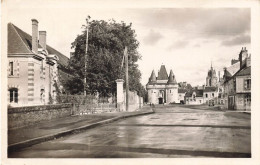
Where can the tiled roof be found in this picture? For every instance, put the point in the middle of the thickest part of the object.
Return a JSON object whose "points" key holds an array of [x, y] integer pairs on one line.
{"points": [[162, 74], [233, 69], [152, 77], [199, 93], [16, 43], [210, 89], [244, 72], [181, 90], [21, 42]]}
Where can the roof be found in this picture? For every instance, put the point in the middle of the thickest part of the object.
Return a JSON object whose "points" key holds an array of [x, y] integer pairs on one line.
{"points": [[210, 89], [162, 74], [152, 77], [171, 79], [233, 69], [244, 72], [199, 93], [181, 90], [21, 42]]}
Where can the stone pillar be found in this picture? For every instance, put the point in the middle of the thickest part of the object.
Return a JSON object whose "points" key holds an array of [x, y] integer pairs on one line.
{"points": [[120, 94]]}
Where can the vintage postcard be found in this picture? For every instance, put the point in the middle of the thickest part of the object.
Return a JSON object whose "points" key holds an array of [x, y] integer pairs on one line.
{"points": [[175, 82]]}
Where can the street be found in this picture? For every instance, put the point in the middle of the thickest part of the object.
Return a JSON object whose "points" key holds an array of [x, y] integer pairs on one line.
{"points": [[172, 131]]}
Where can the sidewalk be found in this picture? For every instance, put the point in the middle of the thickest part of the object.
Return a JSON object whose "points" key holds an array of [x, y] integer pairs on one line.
{"points": [[52, 129]]}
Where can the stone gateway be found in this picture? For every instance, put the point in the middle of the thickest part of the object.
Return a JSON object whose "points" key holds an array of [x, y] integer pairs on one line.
{"points": [[162, 89]]}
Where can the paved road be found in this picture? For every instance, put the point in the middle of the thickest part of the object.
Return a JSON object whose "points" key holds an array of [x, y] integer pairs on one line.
{"points": [[170, 132]]}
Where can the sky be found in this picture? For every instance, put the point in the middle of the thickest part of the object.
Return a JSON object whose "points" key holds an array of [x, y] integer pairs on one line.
{"points": [[186, 40]]}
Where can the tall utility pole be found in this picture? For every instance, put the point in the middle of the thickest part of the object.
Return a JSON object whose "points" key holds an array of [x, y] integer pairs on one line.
{"points": [[126, 77], [86, 60]]}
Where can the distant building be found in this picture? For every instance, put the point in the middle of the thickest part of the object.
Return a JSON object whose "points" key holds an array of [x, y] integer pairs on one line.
{"points": [[162, 89], [209, 94], [35, 69], [194, 97], [211, 80], [237, 83]]}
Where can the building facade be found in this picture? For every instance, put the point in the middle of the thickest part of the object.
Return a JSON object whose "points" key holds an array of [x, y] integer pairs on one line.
{"points": [[162, 89], [237, 83], [33, 74]]}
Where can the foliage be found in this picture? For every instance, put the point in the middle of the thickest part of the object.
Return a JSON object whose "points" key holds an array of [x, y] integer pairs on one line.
{"points": [[106, 44]]}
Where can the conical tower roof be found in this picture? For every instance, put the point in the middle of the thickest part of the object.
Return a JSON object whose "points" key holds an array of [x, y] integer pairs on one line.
{"points": [[162, 74], [152, 77], [171, 78]]}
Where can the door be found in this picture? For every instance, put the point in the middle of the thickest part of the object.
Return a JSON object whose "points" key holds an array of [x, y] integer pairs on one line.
{"points": [[160, 100], [231, 102]]}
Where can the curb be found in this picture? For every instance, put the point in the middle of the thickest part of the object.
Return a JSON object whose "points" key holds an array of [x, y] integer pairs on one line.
{"points": [[30, 142]]}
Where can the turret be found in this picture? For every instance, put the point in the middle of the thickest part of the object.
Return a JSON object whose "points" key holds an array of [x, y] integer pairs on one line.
{"points": [[171, 78], [152, 77]]}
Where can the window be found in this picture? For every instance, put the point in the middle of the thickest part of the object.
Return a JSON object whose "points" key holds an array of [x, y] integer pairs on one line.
{"points": [[42, 96], [248, 84], [11, 65], [248, 99], [170, 91], [206, 95], [200, 101], [13, 95], [190, 99], [41, 66], [212, 94]]}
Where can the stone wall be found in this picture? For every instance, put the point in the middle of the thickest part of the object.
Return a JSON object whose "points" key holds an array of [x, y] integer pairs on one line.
{"points": [[24, 116], [135, 102]]}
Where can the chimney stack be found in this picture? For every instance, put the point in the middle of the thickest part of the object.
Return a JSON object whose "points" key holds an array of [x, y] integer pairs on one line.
{"points": [[42, 39], [34, 35]]}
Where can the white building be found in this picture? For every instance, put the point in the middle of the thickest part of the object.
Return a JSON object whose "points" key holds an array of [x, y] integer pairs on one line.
{"points": [[162, 89]]}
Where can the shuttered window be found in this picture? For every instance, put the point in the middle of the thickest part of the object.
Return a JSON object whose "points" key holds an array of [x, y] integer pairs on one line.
{"points": [[247, 83]]}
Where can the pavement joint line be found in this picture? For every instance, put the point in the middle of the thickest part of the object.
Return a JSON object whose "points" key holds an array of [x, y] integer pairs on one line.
{"points": [[33, 141], [184, 125]]}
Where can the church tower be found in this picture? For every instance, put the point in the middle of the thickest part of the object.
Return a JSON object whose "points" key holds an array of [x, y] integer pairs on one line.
{"points": [[211, 80]]}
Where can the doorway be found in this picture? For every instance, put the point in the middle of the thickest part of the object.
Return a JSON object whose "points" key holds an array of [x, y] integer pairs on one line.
{"points": [[160, 100]]}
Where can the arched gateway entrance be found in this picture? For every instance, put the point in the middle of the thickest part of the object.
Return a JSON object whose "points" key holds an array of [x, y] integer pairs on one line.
{"points": [[162, 97]]}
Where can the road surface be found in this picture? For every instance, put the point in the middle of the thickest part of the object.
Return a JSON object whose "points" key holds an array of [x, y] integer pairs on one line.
{"points": [[172, 131]]}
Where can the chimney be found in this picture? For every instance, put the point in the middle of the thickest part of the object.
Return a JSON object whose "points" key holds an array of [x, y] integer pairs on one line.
{"points": [[34, 35], [42, 39]]}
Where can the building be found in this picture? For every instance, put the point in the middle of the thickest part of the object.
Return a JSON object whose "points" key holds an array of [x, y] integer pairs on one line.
{"points": [[194, 97], [34, 69], [211, 79], [210, 94], [237, 83], [162, 89], [181, 95]]}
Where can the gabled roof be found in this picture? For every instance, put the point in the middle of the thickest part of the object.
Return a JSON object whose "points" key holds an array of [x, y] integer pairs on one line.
{"points": [[181, 90], [199, 93], [210, 89], [20, 42], [244, 72], [162, 74], [233, 69]]}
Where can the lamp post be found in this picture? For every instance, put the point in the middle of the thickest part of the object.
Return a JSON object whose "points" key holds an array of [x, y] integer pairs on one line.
{"points": [[86, 60]]}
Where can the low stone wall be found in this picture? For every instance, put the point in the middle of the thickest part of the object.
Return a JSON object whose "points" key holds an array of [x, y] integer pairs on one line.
{"points": [[24, 116], [83, 109]]}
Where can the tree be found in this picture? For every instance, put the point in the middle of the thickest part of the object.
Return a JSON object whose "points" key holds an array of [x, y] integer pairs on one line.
{"points": [[106, 44]]}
